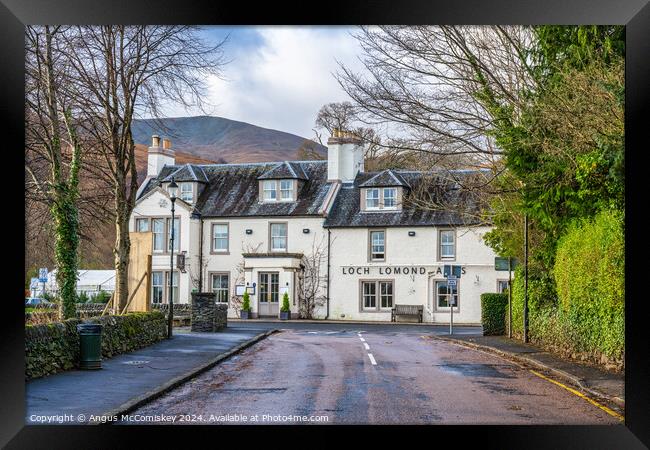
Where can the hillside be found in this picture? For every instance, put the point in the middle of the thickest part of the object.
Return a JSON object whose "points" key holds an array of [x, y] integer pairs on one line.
{"points": [[224, 140]]}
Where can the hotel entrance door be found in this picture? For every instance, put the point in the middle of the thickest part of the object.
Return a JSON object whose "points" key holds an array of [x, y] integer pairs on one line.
{"points": [[268, 303]]}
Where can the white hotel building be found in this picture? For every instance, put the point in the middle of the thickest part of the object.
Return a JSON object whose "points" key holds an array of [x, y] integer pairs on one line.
{"points": [[264, 226]]}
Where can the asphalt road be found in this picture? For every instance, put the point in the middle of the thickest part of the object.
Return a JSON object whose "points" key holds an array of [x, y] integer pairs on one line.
{"points": [[369, 377]]}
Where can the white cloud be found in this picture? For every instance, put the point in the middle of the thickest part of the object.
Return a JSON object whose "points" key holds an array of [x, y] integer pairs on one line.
{"points": [[283, 82]]}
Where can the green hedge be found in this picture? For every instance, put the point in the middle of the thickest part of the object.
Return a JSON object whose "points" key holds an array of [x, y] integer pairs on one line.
{"points": [[54, 347], [493, 310], [579, 311]]}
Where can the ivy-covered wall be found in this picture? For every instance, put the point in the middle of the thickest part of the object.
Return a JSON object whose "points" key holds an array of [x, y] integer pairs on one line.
{"points": [[54, 347]]}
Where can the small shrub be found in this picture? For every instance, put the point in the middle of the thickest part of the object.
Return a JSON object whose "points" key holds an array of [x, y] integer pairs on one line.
{"points": [[285, 303], [101, 297], [246, 304], [493, 313], [83, 297]]}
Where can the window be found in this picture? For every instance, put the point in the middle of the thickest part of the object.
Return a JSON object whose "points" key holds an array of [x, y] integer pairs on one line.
{"points": [[141, 225], [270, 191], [157, 287], [447, 244], [443, 296], [372, 198], [390, 198], [377, 245], [177, 234], [502, 286], [376, 295], [220, 237], [174, 286], [278, 237], [220, 286], [386, 294], [369, 294], [158, 226], [286, 190], [186, 192]]}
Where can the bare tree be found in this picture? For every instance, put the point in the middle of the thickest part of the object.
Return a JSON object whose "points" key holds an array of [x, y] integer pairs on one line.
{"points": [[123, 72], [312, 280], [430, 87]]}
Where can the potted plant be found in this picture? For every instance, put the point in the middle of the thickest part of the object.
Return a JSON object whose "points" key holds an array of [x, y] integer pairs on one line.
{"points": [[246, 307], [285, 310]]}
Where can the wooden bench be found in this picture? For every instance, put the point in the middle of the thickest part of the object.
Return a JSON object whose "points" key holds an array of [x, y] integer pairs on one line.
{"points": [[406, 310]]}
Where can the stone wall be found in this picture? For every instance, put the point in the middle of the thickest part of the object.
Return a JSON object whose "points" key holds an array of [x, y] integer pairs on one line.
{"points": [[207, 314], [180, 309], [53, 347]]}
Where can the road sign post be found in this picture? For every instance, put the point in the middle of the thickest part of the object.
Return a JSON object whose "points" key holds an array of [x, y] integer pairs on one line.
{"points": [[42, 277], [452, 273]]}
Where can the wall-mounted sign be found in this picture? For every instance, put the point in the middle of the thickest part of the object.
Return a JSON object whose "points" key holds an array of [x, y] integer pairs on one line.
{"points": [[250, 290], [240, 289], [501, 264], [395, 270], [180, 262]]}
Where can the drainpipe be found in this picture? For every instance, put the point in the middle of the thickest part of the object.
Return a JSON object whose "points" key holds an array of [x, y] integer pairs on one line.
{"points": [[329, 232]]}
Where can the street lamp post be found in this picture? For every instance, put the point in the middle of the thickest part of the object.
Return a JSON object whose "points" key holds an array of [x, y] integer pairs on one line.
{"points": [[526, 277], [172, 189]]}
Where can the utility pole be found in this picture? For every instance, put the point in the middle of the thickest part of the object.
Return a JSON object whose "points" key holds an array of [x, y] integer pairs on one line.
{"points": [[173, 187], [526, 277]]}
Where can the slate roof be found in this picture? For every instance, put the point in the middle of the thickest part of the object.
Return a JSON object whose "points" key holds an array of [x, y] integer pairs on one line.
{"points": [[232, 189], [385, 178], [285, 170], [346, 210], [187, 172]]}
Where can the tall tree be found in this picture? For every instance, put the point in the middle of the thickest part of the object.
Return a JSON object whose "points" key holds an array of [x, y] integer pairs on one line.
{"points": [[124, 72], [52, 138]]}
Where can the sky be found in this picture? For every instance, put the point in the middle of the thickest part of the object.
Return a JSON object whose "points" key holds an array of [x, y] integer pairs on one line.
{"points": [[278, 76]]}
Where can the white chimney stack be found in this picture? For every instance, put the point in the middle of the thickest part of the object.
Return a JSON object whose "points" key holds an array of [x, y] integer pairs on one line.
{"points": [[158, 157], [345, 154]]}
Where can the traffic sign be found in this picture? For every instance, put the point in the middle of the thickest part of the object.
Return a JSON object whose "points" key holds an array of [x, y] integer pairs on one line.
{"points": [[501, 264], [452, 270], [452, 282], [42, 275]]}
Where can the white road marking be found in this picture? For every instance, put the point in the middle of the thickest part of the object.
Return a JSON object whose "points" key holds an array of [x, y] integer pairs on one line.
{"points": [[362, 340], [366, 345], [372, 359]]}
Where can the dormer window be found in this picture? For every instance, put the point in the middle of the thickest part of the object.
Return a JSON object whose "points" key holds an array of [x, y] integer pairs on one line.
{"points": [[380, 198], [270, 191], [278, 191], [187, 192], [372, 198]]}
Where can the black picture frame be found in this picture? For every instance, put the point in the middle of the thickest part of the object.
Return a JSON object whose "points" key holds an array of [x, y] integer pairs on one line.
{"points": [[635, 14]]}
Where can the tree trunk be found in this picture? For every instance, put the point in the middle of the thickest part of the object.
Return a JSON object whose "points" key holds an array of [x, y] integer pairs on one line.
{"points": [[64, 213], [121, 251]]}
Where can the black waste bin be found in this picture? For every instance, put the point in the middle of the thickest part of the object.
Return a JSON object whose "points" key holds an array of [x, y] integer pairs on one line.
{"points": [[90, 342]]}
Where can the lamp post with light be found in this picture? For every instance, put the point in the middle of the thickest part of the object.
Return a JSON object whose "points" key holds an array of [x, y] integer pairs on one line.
{"points": [[172, 189]]}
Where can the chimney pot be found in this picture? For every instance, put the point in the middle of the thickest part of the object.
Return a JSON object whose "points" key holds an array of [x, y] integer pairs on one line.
{"points": [[167, 144], [155, 140]]}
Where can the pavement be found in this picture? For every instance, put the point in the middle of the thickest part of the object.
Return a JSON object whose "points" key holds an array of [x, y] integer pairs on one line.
{"points": [[351, 376], [594, 381], [131, 378]]}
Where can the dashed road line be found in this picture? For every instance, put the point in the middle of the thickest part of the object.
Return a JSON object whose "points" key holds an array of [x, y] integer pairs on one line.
{"points": [[362, 340], [366, 346], [372, 359]]}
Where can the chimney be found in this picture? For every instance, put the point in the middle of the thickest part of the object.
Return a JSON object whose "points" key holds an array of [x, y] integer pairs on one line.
{"points": [[158, 157], [345, 154]]}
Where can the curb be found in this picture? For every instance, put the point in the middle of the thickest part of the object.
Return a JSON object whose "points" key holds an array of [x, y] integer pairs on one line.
{"points": [[572, 379], [135, 403], [352, 322]]}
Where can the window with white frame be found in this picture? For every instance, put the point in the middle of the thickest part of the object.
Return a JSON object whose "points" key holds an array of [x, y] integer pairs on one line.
{"points": [[390, 198], [220, 237], [141, 225], [447, 244], [157, 287], [372, 198], [187, 193], [377, 245], [220, 283], [444, 294], [502, 286], [286, 190], [376, 295], [174, 286], [158, 227], [278, 237], [270, 190], [177, 234], [369, 294]]}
